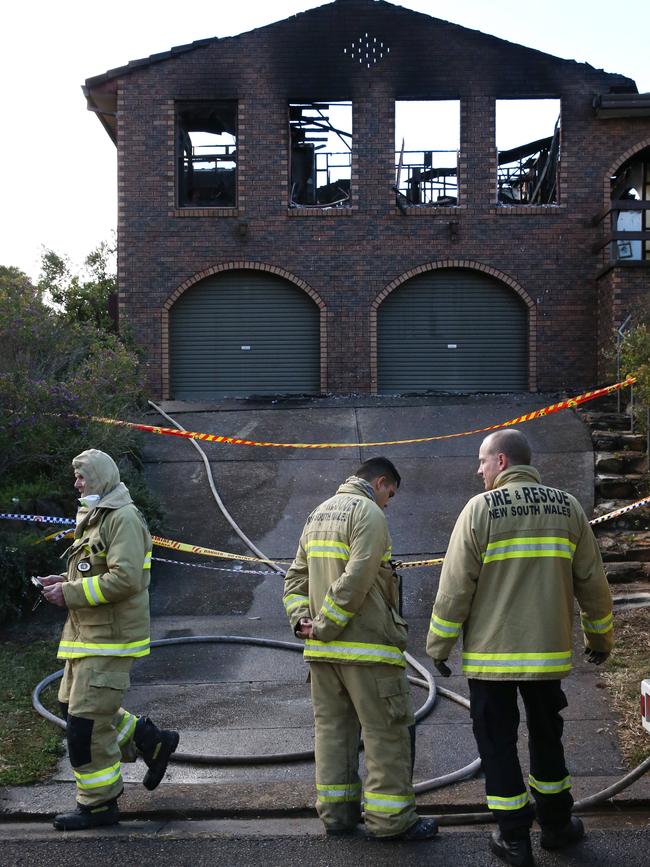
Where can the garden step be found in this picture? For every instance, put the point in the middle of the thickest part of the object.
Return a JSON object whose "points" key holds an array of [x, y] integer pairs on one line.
{"points": [[620, 487], [609, 421], [618, 462], [626, 572], [613, 440], [634, 546], [636, 519]]}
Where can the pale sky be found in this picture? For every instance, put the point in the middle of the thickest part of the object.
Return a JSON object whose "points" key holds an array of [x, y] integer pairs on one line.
{"points": [[58, 163]]}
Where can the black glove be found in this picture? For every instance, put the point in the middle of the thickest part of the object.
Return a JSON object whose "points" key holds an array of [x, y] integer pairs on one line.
{"points": [[444, 670], [596, 656]]}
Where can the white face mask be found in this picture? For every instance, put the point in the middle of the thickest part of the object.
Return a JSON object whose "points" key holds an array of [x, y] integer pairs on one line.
{"points": [[90, 500]]}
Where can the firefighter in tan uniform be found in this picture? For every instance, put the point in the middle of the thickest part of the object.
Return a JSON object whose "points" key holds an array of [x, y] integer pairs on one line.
{"points": [[105, 590], [518, 557], [341, 596]]}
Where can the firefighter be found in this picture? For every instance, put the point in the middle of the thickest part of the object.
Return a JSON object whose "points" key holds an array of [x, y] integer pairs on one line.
{"points": [[105, 590], [518, 556], [341, 596]]}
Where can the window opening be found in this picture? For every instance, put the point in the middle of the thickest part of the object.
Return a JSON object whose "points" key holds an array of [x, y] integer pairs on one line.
{"points": [[207, 161], [630, 207], [527, 173], [427, 141], [321, 154]]}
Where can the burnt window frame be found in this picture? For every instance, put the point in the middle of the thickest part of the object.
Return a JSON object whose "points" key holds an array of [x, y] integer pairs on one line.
{"points": [[403, 201], [525, 153], [342, 205], [182, 202]]}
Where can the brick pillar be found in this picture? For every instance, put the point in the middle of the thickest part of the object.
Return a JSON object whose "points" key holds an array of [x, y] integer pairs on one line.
{"points": [[478, 155]]}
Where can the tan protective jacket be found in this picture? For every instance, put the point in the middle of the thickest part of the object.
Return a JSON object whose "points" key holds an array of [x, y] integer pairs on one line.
{"points": [[108, 568], [518, 556], [342, 578]]}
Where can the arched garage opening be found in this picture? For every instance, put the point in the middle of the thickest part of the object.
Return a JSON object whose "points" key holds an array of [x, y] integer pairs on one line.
{"points": [[452, 329], [240, 333]]}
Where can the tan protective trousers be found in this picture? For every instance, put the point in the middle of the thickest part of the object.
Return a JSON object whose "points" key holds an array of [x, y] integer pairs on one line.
{"points": [[100, 731], [372, 700]]}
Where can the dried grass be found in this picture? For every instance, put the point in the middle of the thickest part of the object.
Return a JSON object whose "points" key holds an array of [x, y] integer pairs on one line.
{"points": [[628, 665]]}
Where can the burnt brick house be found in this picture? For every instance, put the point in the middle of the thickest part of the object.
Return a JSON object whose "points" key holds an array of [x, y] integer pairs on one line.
{"points": [[277, 234]]}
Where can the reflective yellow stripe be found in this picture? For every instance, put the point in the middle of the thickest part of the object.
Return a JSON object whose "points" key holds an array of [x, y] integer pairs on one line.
{"points": [[378, 802], [293, 600], [126, 727], [599, 627], [516, 663], [329, 548], [98, 779], [334, 793], [77, 649], [335, 613], [147, 560], [552, 788], [529, 546], [92, 590], [444, 628], [495, 802], [344, 651], [388, 555]]}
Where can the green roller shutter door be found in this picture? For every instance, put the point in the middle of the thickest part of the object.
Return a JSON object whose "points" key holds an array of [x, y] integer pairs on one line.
{"points": [[244, 333], [452, 330]]}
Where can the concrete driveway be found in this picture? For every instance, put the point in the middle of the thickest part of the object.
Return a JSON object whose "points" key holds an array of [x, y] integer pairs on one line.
{"points": [[233, 700]]}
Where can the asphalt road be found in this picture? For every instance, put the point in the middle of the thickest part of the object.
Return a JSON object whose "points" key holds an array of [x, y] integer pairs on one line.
{"points": [[611, 841]]}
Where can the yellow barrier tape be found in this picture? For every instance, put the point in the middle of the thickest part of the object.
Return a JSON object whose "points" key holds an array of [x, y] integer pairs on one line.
{"points": [[399, 564], [209, 552], [570, 402]]}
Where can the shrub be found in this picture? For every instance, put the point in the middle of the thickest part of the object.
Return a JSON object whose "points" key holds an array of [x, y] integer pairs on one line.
{"points": [[56, 370], [635, 359], [20, 558]]}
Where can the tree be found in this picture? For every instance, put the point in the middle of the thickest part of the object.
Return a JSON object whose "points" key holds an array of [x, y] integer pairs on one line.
{"points": [[635, 360], [83, 297], [58, 367]]}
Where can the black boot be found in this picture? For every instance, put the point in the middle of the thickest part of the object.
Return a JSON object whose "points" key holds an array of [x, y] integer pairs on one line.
{"points": [[554, 837], [88, 817], [516, 852], [155, 746]]}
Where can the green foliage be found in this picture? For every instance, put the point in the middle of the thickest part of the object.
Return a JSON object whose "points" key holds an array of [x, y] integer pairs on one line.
{"points": [[635, 359], [29, 745], [54, 372], [83, 297], [58, 367], [20, 558]]}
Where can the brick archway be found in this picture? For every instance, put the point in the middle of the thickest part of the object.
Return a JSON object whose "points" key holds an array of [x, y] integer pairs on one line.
{"points": [[239, 266], [501, 276]]}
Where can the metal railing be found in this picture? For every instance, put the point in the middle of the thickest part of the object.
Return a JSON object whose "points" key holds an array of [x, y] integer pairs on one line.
{"points": [[324, 183], [208, 178], [426, 177]]}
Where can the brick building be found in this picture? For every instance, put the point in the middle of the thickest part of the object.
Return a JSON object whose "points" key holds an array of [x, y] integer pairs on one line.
{"points": [[275, 237]]}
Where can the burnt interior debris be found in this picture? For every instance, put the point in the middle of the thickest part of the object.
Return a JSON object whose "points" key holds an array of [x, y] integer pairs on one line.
{"points": [[207, 154], [321, 167], [527, 174], [419, 182], [426, 175], [321, 154]]}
